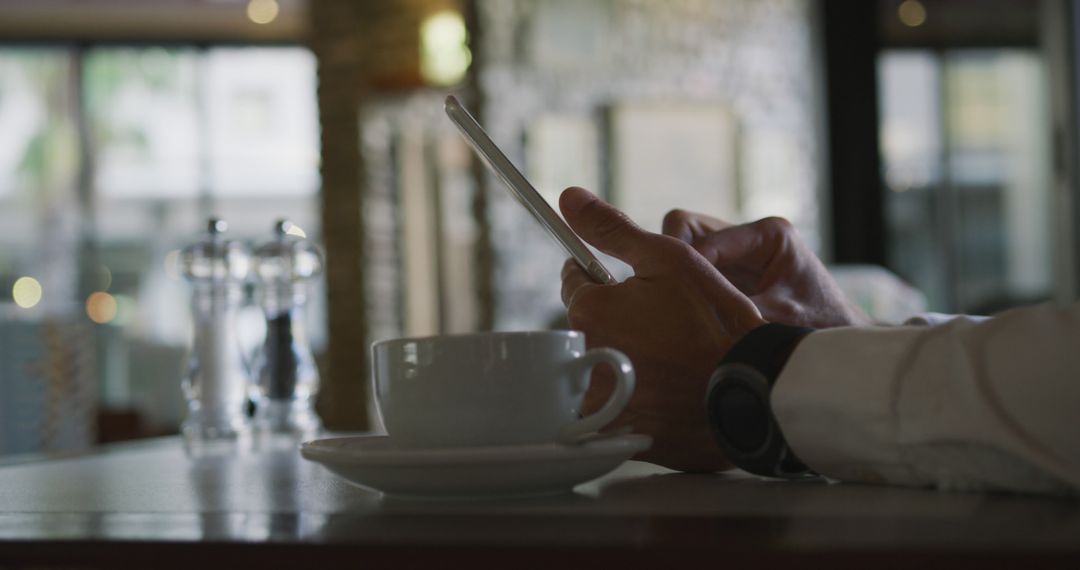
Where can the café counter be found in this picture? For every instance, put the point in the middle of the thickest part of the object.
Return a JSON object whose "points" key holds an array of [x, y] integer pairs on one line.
{"points": [[146, 504]]}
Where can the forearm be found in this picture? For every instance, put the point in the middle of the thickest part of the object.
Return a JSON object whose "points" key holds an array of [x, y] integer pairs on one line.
{"points": [[966, 404]]}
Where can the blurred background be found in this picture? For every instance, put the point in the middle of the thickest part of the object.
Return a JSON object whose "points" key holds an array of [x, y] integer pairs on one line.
{"points": [[927, 149]]}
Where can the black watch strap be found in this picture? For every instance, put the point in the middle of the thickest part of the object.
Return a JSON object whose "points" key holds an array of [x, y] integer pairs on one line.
{"points": [[738, 402], [767, 348]]}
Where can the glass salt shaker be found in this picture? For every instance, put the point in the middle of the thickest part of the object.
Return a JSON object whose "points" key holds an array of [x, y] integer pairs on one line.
{"points": [[287, 379], [217, 378]]}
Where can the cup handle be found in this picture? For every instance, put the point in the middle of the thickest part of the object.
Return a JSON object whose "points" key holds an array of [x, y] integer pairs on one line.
{"points": [[624, 387]]}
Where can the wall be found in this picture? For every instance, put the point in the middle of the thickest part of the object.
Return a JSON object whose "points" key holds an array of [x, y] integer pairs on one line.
{"points": [[582, 60]]}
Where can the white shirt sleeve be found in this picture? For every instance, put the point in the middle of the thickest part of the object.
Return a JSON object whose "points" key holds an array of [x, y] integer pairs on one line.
{"points": [[966, 404]]}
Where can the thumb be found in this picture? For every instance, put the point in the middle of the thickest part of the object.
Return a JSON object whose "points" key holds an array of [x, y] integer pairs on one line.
{"points": [[603, 225]]}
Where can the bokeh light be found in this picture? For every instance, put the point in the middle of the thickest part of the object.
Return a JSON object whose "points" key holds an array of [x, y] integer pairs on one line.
{"points": [[263, 11], [912, 13], [295, 230], [101, 307], [26, 292], [444, 49]]}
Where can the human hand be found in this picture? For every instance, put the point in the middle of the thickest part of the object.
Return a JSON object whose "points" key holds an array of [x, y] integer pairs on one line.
{"points": [[769, 263], [675, 319]]}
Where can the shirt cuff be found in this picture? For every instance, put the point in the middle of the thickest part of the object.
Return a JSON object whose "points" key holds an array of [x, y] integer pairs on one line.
{"points": [[834, 405], [938, 319]]}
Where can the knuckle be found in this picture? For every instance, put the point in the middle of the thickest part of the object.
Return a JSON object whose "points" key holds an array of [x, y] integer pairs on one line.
{"points": [[676, 217], [582, 310], [578, 317], [568, 269], [785, 311], [777, 226], [568, 293], [568, 299]]}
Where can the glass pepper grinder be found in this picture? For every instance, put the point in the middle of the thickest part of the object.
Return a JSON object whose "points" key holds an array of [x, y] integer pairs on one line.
{"points": [[218, 377], [286, 376]]}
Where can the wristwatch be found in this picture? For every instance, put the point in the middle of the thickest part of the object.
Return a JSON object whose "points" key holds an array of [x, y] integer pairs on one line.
{"points": [[738, 408]]}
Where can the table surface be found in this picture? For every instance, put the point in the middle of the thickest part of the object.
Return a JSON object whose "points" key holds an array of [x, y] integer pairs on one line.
{"points": [[137, 504]]}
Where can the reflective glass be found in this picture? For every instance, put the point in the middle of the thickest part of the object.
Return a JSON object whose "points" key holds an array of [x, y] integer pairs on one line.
{"points": [[111, 159], [965, 144]]}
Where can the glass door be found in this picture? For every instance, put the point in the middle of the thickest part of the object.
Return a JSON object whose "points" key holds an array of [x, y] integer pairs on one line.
{"points": [[965, 143]]}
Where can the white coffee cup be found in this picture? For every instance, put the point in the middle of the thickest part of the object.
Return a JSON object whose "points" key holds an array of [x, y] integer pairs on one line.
{"points": [[501, 388]]}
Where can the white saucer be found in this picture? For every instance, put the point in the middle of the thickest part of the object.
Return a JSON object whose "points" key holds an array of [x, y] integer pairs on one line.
{"points": [[475, 472]]}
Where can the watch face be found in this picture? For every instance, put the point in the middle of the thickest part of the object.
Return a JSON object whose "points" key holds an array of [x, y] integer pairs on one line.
{"points": [[741, 417], [743, 425]]}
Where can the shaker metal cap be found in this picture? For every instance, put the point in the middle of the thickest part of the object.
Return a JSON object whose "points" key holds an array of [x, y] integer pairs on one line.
{"points": [[287, 258], [215, 259]]}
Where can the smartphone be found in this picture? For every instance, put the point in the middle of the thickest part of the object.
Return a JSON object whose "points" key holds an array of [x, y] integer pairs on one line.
{"points": [[524, 192]]}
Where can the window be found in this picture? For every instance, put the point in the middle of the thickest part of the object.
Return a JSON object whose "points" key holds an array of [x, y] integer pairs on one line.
{"points": [[966, 164], [114, 156]]}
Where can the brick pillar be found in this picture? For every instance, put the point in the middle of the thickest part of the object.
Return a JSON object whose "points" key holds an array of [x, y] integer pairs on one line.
{"points": [[363, 49], [338, 46]]}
